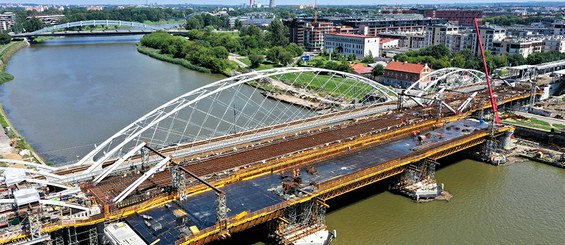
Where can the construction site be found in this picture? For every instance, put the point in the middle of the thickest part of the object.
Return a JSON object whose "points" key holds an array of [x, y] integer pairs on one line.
{"points": [[212, 162]]}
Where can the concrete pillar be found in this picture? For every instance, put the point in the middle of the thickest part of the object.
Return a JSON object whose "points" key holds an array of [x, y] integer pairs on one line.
{"points": [[507, 140]]}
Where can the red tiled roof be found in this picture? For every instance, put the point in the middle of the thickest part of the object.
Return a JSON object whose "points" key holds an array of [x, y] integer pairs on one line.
{"points": [[386, 40], [350, 35], [405, 67], [361, 69]]}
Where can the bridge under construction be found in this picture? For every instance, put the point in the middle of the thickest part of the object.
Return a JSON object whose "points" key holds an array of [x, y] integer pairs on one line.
{"points": [[212, 162]]}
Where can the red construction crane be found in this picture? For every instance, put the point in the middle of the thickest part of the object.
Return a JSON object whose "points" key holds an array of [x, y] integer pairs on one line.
{"points": [[492, 98]]}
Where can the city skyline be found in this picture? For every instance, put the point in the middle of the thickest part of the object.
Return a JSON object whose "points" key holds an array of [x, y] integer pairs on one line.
{"points": [[264, 2]]}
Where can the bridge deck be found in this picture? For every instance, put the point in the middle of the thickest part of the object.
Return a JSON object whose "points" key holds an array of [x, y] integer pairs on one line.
{"points": [[255, 194], [114, 185]]}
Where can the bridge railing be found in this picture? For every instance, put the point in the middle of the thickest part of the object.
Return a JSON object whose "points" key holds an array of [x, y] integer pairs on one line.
{"points": [[95, 23]]}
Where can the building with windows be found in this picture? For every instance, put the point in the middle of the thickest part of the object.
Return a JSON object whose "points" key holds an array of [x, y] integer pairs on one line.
{"points": [[455, 16], [388, 43], [521, 46], [346, 44], [559, 27], [314, 34], [554, 43], [406, 40], [437, 34], [403, 75], [7, 20]]}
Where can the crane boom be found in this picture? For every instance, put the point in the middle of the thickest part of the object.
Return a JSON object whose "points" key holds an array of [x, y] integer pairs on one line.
{"points": [[492, 98]]}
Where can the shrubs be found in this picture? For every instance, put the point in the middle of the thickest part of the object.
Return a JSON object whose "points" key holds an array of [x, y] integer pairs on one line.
{"points": [[190, 54]]}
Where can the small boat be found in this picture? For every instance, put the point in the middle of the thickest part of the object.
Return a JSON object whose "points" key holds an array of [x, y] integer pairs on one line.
{"points": [[146, 217]]}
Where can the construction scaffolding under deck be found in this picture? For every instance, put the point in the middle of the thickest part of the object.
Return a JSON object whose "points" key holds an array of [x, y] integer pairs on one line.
{"points": [[257, 193]]}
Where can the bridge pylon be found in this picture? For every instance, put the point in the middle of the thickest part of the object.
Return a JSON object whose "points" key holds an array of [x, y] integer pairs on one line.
{"points": [[418, 181], [301, 220]]}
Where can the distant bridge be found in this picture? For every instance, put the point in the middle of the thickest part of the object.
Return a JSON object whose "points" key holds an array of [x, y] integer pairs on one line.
{"points": [[136, 28]]}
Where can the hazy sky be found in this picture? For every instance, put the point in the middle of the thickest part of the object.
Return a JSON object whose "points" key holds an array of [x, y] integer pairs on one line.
{"points": [[320, 2]]}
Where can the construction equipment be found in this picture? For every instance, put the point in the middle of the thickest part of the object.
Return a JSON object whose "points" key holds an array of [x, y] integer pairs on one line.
{"points": [[492, 98]]}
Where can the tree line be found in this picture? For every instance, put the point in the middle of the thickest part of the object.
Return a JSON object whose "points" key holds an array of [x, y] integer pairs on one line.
{"points": [[269, 44], [213, 58], [25, 24], [510, 20]]}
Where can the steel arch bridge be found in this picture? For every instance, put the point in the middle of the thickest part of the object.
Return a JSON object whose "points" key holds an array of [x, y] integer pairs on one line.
{"points": [[96, 23], [446, 79], [246, 108]]}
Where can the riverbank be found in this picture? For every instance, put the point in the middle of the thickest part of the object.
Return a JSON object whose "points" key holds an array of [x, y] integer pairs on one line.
{"points": [[155, 53], [18, 146], [5, 54]]}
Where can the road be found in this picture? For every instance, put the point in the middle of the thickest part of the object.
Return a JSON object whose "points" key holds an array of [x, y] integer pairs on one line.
{"points": [[235, 57], [550, 120]]}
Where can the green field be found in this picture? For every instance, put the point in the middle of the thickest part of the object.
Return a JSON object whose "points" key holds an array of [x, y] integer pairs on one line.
{"points": [[245, 61], [535, 124], [323, 85]]}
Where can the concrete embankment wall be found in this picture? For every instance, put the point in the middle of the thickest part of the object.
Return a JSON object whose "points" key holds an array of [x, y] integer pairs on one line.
{"points": [[558, 138]]}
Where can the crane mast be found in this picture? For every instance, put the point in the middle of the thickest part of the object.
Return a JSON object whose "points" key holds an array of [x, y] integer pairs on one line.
{"points": [[492, 98]]}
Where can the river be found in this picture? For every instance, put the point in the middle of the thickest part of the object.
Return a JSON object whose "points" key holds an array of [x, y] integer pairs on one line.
{"points": [[71, 93], [520, 203]]}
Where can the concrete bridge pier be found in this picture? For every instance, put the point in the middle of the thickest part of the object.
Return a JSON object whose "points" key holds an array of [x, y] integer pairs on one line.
{"points": [[418, 181], [301, 224]]}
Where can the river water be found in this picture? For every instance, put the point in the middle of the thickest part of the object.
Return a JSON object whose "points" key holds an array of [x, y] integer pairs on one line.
{"points": [[71, 93], [521, 203]]}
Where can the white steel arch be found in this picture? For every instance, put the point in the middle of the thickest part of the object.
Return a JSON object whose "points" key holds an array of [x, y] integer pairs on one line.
{"points": [[96, 23], [448, 78], [244, 106]]}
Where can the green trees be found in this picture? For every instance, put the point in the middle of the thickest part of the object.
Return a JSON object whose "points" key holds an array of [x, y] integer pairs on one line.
{"points": [[278, 33], [368, 59], [378, 70], [509, 20], [206, 20], [256, 60], [32, 24], [213, 58], [126, 14], [279, 55], [295, 49], [4, 38]]}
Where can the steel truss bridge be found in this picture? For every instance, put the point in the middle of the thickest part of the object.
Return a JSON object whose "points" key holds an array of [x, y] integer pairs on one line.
{"points": [[216, 152], [133, 28]]}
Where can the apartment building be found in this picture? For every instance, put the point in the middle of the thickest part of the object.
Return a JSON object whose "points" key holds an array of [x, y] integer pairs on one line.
{"points": [[455, 16], [7, 20]]}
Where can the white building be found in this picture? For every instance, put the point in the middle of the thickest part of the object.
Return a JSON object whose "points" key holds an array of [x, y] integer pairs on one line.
{"points": [[388, 43], [437, 34], [346, 44], [406, 40], [559, 27], [489, 35], [554, 43]]}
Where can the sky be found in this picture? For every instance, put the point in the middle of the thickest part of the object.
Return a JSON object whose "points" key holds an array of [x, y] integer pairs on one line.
{"points": [[285, 2]]}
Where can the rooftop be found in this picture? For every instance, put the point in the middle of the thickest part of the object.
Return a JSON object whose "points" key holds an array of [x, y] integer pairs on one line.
{"points": [[351, 35], [386, 40], [405, 67], [361, 69]]}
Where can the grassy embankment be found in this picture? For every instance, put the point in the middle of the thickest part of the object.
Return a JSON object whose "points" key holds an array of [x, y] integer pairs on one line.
{"points": [[155, 53], [323, 84], [535, 124], [9, 50], [262, 66]]}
